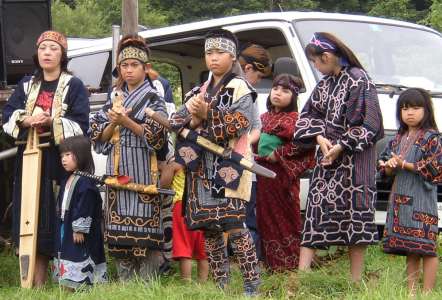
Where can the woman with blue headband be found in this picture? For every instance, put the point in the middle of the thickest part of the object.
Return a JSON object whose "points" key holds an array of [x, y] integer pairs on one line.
{"points": [[343, 118]]}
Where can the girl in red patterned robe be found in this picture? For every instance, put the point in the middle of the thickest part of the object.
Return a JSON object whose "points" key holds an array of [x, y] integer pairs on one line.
{"points": [[278, 205]]}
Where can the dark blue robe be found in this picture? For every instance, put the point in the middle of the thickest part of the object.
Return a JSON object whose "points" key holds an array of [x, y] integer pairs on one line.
{"points": [[340, 205], [76, 116], [83, 263]]}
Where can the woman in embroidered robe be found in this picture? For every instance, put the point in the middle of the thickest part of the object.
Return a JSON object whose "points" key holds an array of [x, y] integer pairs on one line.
{"points": [[218, 189], [122, 131], [277, 205], [52, 101], [343, 117]]}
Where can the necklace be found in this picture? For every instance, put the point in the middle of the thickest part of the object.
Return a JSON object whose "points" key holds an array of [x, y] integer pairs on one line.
{"points": [[406, 143], [412, 134]]}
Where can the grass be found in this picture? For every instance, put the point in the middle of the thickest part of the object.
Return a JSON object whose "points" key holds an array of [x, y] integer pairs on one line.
{"points": [[384, 278]]}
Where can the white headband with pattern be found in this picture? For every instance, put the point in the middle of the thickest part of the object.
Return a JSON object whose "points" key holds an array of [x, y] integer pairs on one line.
{"points": [[220, 43]]}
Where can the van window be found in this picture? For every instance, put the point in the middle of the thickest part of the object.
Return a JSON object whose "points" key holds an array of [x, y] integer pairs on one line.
{"points": [[183, 57], [185, 53], [173, 75], [390, 53], [93, 70], [274, 41]]}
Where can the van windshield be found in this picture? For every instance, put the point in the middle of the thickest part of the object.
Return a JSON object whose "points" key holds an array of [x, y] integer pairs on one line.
{"points": [[391, 54]]}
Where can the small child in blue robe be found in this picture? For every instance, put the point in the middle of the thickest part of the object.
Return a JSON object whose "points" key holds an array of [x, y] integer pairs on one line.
{"points": [[79, 239]]}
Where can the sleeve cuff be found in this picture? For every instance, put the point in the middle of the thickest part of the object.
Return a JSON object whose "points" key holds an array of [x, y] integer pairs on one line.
{"points": [[12, 126], [64, 128], [82, 225], [21, 117]]}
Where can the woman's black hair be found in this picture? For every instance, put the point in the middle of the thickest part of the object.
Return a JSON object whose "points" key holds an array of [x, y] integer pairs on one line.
{"points": [[290, 82], [38, 74], [80, 146], [420, 98], [342, 50]]}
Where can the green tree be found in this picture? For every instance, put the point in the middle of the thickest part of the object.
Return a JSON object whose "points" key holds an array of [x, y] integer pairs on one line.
{"points": [[86, 20], [293, 5], [396, 9], [435, 15], [147, 15], [181, 11], [346, 6]]}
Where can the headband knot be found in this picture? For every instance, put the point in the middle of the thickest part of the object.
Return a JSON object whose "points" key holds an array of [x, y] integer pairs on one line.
{"points": [[294, 88], [323, 43]]}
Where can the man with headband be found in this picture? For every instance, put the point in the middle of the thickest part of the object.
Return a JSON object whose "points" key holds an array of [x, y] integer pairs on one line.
{"points": [[122, 131], [218, 189]]}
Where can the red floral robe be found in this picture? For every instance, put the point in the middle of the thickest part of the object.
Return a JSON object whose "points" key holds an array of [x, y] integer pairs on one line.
{"points": [[278, 206]]}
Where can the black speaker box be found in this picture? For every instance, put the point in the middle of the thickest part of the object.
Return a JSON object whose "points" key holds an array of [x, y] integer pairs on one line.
{"points": [[21, 23]]}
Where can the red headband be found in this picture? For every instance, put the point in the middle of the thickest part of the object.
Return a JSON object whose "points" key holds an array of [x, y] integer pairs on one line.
{"points": [[53, 36]]}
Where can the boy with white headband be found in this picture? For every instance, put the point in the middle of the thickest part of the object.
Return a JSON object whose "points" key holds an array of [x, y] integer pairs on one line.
{"points": [[218, 189]]}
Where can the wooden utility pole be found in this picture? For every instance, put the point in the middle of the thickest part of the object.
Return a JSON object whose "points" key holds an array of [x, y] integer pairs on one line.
{"points": [[129, 15]]}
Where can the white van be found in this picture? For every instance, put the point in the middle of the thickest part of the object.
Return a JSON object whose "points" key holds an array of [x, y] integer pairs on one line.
{"points": [[396, 55]]}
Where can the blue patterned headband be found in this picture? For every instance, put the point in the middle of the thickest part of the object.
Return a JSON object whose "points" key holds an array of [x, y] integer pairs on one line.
{"points": [[322, 42]]}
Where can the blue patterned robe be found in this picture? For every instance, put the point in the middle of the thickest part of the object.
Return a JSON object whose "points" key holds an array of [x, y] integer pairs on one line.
{"points": [[412, 216], [340, 206], [133, 220]]}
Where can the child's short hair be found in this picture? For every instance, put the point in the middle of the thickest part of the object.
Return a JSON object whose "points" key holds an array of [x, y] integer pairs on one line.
{"points": [[287, 81], [420, 98], [80, 146]]}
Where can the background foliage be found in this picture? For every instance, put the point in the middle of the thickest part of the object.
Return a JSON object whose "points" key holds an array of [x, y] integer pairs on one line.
{"points": [[88, 18]]}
